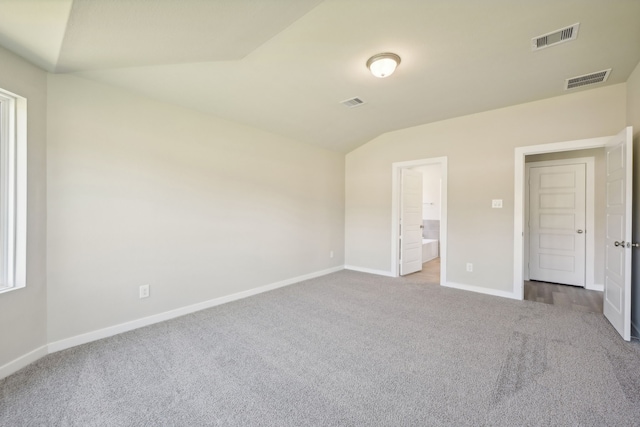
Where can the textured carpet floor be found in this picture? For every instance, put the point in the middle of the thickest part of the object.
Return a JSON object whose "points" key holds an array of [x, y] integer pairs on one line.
{"points": [[344, 349]]}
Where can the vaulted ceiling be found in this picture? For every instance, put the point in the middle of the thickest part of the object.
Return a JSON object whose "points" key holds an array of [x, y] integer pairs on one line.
{"points": [[285, 65]]}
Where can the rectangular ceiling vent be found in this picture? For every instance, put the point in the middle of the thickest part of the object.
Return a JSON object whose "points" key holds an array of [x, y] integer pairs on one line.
{"points": [[555, 37], [587, 79], [353, 102]]}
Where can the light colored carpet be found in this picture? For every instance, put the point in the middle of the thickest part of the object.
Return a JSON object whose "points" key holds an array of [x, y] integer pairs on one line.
{"points": [[347, 349]]}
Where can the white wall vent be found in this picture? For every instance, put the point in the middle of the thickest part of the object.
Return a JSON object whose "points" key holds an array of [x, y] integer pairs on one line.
{"points": [[555, 37], [587, 79], [353, 102]]}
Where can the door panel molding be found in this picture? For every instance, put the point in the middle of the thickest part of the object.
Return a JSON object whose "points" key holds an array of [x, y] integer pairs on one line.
{"points": [[410, 222], [589, 162]]}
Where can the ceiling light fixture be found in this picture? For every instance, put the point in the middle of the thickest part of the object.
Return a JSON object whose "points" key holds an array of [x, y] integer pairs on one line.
{"points": [[383, 64]]}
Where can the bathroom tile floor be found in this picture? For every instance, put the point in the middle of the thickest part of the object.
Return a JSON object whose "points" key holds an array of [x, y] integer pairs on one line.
{"points": [[430, 273]]}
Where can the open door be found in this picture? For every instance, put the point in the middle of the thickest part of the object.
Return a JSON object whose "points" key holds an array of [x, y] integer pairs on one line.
{"points": [[617, 281], [410, 222]]}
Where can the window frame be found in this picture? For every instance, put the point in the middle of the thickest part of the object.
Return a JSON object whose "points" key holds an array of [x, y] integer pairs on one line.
{"points": [[13, 191]]}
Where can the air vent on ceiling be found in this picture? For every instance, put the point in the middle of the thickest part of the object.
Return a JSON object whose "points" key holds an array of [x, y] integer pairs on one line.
{"points": [[587, 79], [353, 102], [555, 37]]}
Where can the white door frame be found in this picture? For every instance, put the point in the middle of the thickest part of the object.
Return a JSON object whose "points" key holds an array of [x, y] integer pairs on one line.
{"points": [[589, 278], [396, 169], [519, 193]]}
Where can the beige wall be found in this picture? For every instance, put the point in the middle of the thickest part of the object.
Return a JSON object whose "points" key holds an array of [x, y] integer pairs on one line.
{"points": [[23, 312], [480, 151], [142, 192], [599, 197], [633, 119]]}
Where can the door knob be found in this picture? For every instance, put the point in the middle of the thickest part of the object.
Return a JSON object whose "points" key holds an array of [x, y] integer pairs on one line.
{"points": [[619, 243], [579, 231]]}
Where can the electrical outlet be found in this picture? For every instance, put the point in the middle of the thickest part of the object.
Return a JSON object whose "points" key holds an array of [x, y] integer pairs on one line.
{"points": [[469, 267], [496, 203], [144, 291], [330, 254]]}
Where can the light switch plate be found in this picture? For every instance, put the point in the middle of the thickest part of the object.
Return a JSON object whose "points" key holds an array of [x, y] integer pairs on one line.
{"points": [[496, 203]]}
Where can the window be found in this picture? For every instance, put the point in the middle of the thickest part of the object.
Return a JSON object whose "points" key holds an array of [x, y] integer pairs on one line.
{"points": [[13, 191]]}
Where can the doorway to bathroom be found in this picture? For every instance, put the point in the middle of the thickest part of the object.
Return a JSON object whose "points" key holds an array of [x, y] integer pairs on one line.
{"points": [[419, 219]]}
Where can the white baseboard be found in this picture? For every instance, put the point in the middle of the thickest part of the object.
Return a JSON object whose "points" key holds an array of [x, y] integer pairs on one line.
{"points": [[595, 287], [160, 317], [481, 290], [22, 361], [369, 270]]}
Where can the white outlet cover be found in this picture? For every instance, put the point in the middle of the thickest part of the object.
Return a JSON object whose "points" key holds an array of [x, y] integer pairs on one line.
{"points": [[144, 291], [496, 203]]}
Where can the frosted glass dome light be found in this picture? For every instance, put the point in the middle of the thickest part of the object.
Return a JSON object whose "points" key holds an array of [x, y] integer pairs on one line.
{"points": [[383, 64]]}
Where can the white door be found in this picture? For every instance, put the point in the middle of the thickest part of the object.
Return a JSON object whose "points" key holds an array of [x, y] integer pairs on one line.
{"points": [[557, 218], [410, 222], [617, 280]]}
